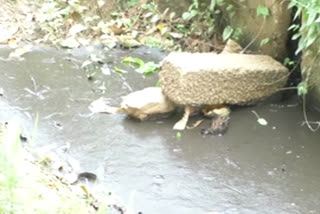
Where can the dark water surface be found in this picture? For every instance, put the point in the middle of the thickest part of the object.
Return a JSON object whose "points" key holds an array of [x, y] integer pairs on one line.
{"points": [[253, 169]]}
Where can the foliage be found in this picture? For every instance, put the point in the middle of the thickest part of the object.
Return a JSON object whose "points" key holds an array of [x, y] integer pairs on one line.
{"points": [[26, 188], [143, 68], [307, 12], [309, 30], [73, 23], [58, 17], [308, 33], [206, 21], [263, 11]]}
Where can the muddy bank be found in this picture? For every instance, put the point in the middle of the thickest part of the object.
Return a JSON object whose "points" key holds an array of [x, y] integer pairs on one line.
{"points": [[252, 169]]}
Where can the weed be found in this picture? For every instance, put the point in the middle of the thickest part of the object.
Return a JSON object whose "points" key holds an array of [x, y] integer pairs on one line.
{"points": [[308, 33], [26, 188]]}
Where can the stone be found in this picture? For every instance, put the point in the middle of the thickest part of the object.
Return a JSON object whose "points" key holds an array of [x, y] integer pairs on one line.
{"points": [[208, 78]]}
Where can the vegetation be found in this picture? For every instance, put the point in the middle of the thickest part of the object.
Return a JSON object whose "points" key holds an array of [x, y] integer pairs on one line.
{"points": [[74, 23], [27, 187], [308, 33]]}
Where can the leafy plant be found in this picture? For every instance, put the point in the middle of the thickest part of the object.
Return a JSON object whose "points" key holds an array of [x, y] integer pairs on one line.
{"points": [[262, 11], [227, 32], [143, 68], [264, 41], [308, 33], [202, 21]]}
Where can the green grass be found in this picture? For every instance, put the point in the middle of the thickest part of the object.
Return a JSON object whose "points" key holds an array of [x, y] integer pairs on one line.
{"points": [[26, 187]]}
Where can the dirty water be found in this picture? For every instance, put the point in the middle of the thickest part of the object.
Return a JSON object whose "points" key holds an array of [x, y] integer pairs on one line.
{"points": [[251, 169]]}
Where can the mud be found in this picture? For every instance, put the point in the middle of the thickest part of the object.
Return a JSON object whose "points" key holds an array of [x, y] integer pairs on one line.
{"points": [[251, 169]]}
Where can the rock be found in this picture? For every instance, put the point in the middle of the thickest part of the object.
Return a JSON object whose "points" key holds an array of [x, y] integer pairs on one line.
{"points": [[231, 47], [207, 78]]}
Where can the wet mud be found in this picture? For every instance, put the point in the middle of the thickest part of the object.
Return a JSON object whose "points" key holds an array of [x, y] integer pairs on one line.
{"points": [[251, 169]]}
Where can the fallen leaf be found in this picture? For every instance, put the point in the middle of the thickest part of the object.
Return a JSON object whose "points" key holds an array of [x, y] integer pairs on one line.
{"points": [[70, 42], [128, 41], [176, 35], [119, 70], [7, 33], [262, 121], [178, 135], [77, 29]]}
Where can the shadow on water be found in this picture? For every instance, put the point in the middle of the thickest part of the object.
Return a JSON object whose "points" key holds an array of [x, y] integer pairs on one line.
{"points": [[252, 169]]}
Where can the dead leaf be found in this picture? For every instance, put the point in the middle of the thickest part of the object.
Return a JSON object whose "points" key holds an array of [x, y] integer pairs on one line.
{"points": [[128, 41], [75, 16], [70, 42], [7, 33], [117, 30], [176, 35], [77, 29], [160, 26]]}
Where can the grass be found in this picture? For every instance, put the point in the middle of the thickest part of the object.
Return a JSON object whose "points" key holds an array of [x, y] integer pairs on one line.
{"points": [[27, 187]]}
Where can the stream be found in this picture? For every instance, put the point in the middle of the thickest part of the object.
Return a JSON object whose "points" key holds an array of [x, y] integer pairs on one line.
{"points": [[252, 169]]}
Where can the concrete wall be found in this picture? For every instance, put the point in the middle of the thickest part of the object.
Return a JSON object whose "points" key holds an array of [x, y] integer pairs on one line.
{"points": [[313, 96], [275, 26]]}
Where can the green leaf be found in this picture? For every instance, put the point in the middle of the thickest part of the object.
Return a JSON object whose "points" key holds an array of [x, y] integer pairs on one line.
{"points": [[133, 60], [297, 13], [178, 135], [264, 41], [296, 36], [212, 5], [132, 3], [189, 15], [153, 42], [302, 88], [287, 61], [119, 70], [227, 32], [263, 11], [294, 27], [148, 68], [158, 84]]}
